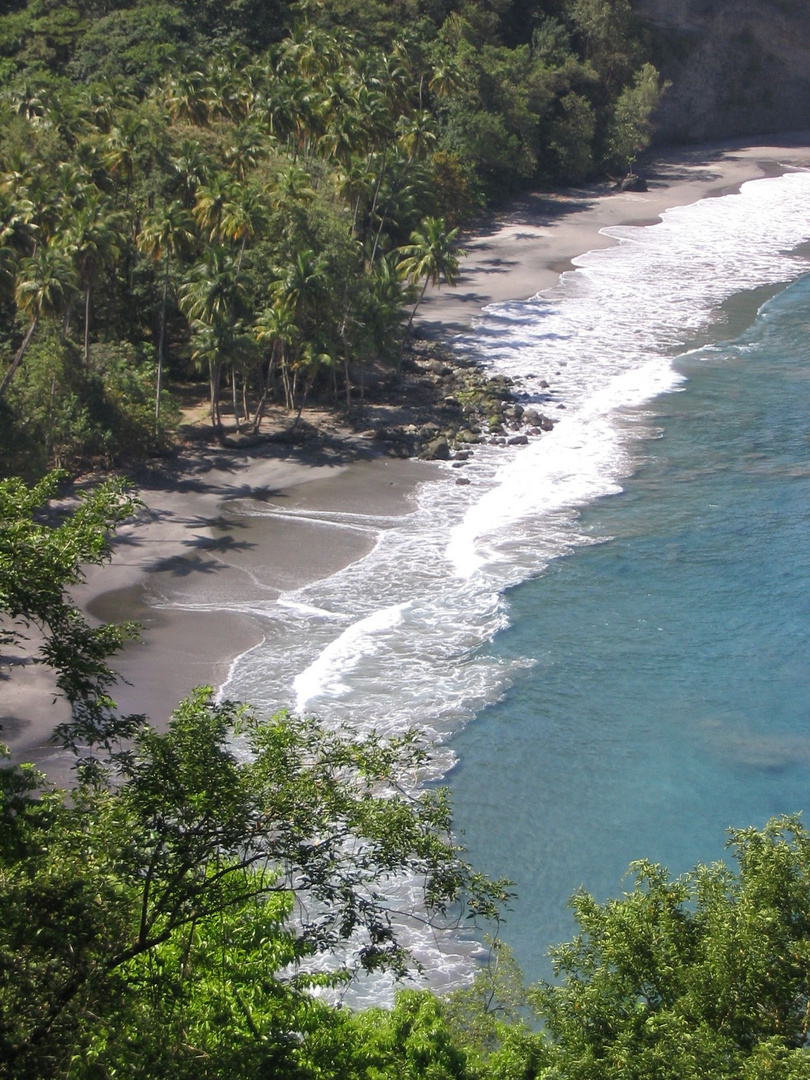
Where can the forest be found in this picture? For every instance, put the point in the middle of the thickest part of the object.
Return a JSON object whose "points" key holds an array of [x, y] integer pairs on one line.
{"points": [[250, 197]]}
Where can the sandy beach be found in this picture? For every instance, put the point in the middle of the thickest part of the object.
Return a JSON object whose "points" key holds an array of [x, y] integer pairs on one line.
{"points": [[223, 530]]}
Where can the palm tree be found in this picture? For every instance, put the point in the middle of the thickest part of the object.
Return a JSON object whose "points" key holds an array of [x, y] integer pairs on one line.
{"points": [[18, 229], [98, 106], [429, 256], [122, 146], [63, 114], [230, 211], [29, 101], [247, 147], [303, 281], [191, 169], [72, 186], [210, 297], [210, 203], [415, 135], [167, 233], [241, 217], [44, 283], [301, 284], [93, 239], [354, 184], [276, 324], [184, 96]]}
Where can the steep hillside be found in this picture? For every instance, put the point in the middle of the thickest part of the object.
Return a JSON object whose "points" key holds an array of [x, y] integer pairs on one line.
{"points": [[737, 67]]}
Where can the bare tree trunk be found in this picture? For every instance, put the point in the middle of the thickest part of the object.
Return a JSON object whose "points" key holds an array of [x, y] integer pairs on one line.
{"points": [[161, 343], [373, 209], [15, 363], [257, 419], [234, 396], [348, 383], [215, 371], [408, 328], [87, 326], [285, 378], [385, 208], [304, 396]]}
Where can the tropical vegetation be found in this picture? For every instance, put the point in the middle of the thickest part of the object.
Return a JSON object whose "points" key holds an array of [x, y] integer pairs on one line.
{"points": [[198, 902], [255, 193]]}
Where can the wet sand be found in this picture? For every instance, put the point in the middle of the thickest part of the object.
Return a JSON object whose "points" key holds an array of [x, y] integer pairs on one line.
{"points": [[223, 533]]}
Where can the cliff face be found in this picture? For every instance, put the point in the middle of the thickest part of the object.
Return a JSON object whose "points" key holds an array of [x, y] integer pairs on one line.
{"points": [[737, 67]]}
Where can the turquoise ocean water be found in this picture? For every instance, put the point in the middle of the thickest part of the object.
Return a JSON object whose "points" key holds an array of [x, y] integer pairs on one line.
{"points": [[670, 695], [604, 633]]}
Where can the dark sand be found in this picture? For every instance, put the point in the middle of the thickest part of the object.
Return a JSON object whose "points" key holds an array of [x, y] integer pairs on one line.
{"points": [[227, 528]]}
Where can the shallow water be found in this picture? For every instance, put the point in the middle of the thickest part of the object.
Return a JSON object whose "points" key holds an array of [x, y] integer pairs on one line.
{"points": [[611, 716], [671, 688]]}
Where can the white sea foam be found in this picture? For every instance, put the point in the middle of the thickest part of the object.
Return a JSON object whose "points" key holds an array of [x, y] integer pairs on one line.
{"points": [[360, 644], [399, 638]]}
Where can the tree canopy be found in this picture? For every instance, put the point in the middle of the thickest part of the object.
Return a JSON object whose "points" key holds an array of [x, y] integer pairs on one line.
{"points": [[171, 170], [174, 907], [182, 910]]}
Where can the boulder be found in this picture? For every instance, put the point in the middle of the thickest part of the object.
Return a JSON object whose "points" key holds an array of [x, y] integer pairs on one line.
{"points": [[438, 450], [438, 367], [631, 183]]}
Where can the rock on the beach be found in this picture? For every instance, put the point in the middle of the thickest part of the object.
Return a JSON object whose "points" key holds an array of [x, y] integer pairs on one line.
{"points": [[517, 440], [438, 450], [631, 183], [438, 367]]}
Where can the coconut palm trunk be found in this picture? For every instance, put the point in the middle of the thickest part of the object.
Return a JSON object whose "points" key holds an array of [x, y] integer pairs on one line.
{"points": [[15, 363], [161, 341], [87, 294], [407, 331]]}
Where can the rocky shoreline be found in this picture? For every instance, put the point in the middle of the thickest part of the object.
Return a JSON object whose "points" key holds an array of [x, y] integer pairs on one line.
{"points": [[440, 407]]}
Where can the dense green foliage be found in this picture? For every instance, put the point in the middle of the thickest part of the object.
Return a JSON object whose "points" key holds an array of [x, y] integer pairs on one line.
{"points": [[230, 188], [166, 925], [167, 917], [704, 976], [180, 912], [42, 554]]}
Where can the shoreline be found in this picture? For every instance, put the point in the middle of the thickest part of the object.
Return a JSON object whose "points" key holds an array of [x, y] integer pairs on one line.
{"points": [[225, 532], [527, 246]]}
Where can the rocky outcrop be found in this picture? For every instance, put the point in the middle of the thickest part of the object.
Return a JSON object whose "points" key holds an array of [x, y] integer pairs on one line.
{"points": [[737, 67]]}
